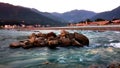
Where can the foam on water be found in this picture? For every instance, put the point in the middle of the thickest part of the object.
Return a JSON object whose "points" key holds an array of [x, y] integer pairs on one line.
{"points": [[116, 45]]}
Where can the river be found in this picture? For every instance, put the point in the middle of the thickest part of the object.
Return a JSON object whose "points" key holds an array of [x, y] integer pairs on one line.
{"points": [[104, 48]]}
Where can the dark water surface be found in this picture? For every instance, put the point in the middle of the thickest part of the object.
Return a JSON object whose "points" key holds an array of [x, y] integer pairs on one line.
{"points": [[104, 48]]}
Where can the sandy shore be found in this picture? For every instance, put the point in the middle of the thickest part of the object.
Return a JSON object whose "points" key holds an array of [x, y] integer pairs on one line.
{"points": [[99, 28]]}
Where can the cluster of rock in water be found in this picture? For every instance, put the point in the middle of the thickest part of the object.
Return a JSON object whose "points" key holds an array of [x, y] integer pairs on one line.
{"points": [[64, 39], [51, 40]]}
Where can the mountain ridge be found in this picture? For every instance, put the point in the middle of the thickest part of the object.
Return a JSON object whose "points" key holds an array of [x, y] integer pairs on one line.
{"points": [[108, 15], [11, 12], [34, 16], [75, 15], [47, 14]]}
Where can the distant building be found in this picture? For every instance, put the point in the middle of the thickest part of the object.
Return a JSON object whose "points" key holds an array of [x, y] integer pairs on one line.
{"points": [[116, 21], [30, 26], [7, 26], [23, 26]]}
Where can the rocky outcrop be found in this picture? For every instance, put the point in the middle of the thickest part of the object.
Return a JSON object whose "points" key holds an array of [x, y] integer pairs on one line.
{"points": [[51, 40]]}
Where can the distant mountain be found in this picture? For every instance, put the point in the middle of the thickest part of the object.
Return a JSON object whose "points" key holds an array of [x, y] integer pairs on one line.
{"points": [[75, 15], [47, 14], [18, 13], [108, 15]]}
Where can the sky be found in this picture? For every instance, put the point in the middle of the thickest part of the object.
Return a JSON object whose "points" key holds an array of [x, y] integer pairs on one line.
{"points": [[67, 5]]}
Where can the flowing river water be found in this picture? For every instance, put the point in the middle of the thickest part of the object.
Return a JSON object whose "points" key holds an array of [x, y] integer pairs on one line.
{"points": [[104, 48]]}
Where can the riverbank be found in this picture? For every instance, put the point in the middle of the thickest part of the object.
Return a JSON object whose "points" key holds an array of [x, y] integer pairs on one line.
{"points": [[98, 28]]}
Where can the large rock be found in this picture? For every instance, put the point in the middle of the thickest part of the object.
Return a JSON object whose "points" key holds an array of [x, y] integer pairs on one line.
{"points": [[70, 36], [26, 44], [53, 43], [40, 42], [32, 40], [41, 35], [32, 35], [15, 45], [51, 34], [65, 42], [63, 33], [76, 43], [81, 39]]}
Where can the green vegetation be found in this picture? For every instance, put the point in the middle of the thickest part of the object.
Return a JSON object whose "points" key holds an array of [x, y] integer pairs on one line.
{"points": [[100, 19]]}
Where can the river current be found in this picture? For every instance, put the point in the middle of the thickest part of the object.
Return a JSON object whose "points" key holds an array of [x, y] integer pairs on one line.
{"points": [[104, 48]]}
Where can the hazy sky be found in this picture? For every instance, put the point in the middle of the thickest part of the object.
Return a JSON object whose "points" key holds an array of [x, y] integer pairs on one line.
{"points": [[67, 5]]}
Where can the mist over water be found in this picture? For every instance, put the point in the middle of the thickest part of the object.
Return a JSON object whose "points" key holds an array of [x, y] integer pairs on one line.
{"points": [[104, 48]]}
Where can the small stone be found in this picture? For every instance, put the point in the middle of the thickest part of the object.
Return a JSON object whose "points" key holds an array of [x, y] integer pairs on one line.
{"points": [[46, 62]]}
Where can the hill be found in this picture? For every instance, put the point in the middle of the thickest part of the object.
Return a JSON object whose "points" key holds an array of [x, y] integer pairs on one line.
{"points": [[17, 13], [108, 15], [75, 15], [47, 14]]}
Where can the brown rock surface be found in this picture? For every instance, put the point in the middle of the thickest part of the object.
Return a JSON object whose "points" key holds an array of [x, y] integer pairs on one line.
{"points": [[52, 40]]}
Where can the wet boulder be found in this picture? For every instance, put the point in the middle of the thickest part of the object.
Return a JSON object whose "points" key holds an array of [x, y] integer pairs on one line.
{"points": [[32, 35], [51, 34], [53, 43], [32, 40], [40, 42], [41, 35], [81, 39], [17, 44], [64, 42], [76, 43], [63, 33], [70, 36], [26, 44]]}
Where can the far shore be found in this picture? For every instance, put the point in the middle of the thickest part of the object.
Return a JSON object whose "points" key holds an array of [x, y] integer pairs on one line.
{"points": [[98, 28]]}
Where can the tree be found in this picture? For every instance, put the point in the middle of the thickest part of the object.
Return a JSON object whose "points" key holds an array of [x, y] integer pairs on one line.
{"points": [[100, 19], [110, 22], [81, 22], [88, 20], [115, 19]]}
